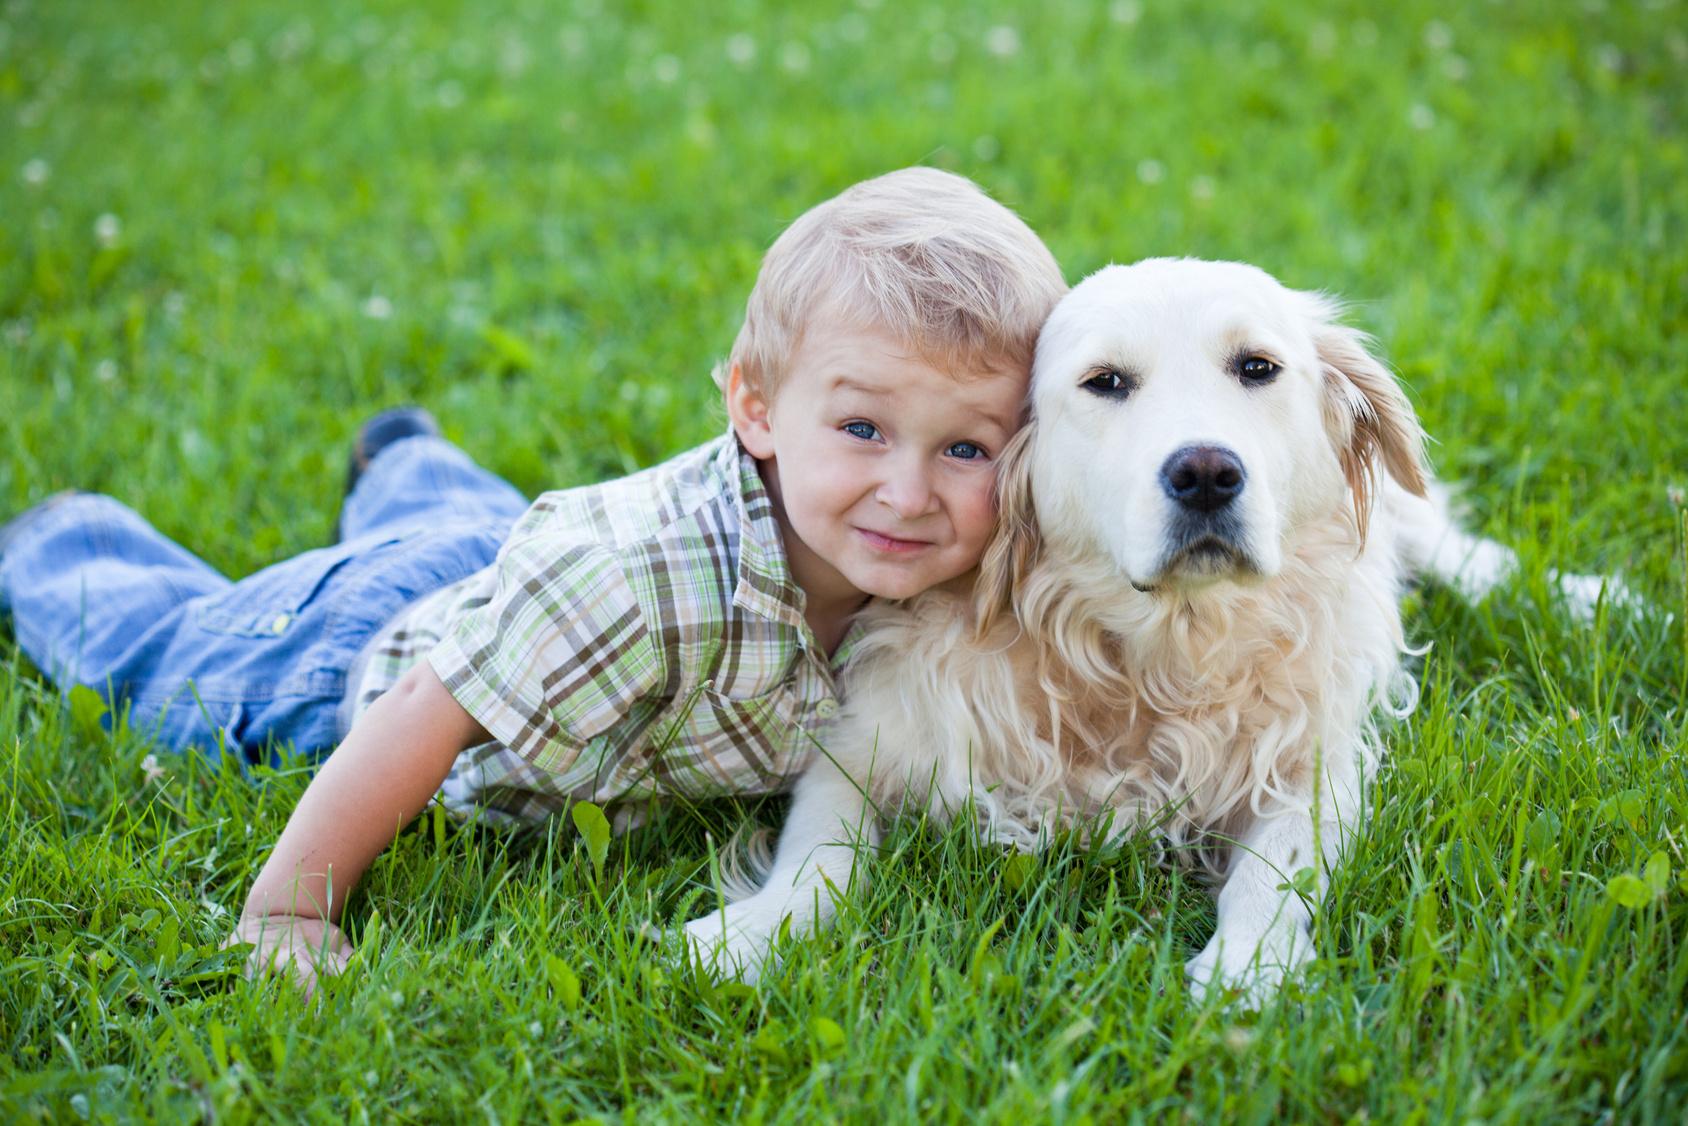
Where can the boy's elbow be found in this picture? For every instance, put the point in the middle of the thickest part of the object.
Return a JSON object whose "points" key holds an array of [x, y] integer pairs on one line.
{"points": [[420, 691]]}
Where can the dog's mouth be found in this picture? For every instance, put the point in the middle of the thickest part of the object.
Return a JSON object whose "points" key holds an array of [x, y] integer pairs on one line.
{"points": [[1204, 553]]}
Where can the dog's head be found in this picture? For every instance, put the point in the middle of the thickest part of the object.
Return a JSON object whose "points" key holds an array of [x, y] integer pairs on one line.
{"points": [[1187, 417]]}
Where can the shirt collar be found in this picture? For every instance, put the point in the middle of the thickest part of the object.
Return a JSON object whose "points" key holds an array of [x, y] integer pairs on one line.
{"points": [[765, 585]]}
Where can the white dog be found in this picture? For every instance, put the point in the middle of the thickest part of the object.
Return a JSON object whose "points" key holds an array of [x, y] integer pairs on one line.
{"points": [[1187, 623]]}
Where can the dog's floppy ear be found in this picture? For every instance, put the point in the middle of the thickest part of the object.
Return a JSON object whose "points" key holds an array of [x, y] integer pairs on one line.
{"points": [[1368, 415], [1014, 547]]}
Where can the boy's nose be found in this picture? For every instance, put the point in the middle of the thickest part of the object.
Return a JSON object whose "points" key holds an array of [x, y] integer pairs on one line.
{"points": [[907, 494]]}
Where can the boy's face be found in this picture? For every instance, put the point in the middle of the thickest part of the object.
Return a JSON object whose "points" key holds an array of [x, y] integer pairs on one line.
{"points": [[881, 465]]}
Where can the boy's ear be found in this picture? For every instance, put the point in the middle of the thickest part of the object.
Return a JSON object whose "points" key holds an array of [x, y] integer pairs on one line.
{"points": [[1015, 546], [749, 412]]}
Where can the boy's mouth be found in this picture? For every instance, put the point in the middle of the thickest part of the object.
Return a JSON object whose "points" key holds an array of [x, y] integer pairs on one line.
{"points": [[891, 544]]}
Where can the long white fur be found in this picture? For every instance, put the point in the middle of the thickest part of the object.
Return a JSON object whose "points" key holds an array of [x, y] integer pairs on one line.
{"points": [[1235, 714]]}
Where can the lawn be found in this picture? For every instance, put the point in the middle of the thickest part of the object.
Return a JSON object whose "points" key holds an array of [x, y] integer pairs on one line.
{"points": [[229, 232]]}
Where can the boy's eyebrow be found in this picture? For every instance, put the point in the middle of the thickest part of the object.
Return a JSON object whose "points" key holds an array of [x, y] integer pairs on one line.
{"points": [[846, 383], [1008, 424]]}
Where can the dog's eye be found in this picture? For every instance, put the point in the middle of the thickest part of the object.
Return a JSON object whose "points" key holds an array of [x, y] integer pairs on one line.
{"points": [[1257, 369], [1109, 384]]}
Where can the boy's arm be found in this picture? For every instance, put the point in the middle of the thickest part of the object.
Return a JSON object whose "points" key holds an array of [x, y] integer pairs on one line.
{"points": [[383, 774]]}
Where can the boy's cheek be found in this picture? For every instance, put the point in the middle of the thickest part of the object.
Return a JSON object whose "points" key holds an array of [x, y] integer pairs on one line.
{"points": [[978, 520]]}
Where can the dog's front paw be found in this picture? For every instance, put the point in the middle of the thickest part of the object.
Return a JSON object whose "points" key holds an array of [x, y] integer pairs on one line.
{"points": [[725, 947], [1254, 968]]}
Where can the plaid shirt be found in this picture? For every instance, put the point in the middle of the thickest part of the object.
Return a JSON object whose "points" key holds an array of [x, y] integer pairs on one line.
{"points": [[636, 639]]}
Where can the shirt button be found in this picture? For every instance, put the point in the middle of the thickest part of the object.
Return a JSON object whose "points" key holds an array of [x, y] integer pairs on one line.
{"points": [[826, 709]]}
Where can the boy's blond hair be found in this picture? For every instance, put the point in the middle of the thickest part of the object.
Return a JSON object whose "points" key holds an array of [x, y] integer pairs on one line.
{"points": [[920, 253]]}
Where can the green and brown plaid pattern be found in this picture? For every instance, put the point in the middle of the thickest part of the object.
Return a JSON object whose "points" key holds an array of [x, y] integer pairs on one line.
{"points": [[636, 639]]}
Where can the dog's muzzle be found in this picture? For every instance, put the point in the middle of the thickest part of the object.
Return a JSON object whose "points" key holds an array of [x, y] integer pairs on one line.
{"points": [[1205, 536]]}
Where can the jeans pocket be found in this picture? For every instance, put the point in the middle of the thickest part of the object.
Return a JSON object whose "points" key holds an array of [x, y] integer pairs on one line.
{"points": [[267, 603]]}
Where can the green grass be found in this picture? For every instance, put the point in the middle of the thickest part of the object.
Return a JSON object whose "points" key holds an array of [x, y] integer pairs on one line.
{"points": [[560, 210]]}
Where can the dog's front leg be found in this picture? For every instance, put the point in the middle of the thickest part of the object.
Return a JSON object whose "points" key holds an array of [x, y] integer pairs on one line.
{"points": [[1263, 932], [814, 859], [1265, 916]]}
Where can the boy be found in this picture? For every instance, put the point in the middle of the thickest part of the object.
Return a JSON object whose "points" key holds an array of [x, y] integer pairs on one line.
{"points": [[669, 633]]}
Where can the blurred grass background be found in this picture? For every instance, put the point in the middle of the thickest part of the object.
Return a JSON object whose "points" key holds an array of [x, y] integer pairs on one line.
{"points": [[228, 233]]}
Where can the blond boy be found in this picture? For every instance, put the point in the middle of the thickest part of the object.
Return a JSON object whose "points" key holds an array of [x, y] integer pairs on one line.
{"points": [[682, 632]]}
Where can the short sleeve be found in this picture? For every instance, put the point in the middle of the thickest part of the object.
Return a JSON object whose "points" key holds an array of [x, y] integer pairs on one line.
{"points": [[559, 654]]}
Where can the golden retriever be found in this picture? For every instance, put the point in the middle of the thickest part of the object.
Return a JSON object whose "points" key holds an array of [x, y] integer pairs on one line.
{"points": [[1188, 621]]}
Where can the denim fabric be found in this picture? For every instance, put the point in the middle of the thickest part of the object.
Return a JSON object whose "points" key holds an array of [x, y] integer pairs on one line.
{"points": [[99, 597]]}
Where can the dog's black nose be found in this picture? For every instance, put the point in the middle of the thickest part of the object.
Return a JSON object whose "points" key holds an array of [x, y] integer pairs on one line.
{"points": [[1202, 478]]}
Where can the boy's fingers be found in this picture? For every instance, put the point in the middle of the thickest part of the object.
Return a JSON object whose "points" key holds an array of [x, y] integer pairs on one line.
{"points": [[302, 950]]}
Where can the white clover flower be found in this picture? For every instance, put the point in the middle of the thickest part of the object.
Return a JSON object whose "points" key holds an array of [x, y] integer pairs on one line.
{"points": [[514, 58], [106, 371], [1002, 41], [107, 229], [741, 49], [666, 69], [1151, 171], [241, 54], [1203, 187], [1421, 116], [1321, 41], [449, 94], [36, 171], [377, 308], [1125, 12], [852, 27], [150, 769], [1456, 68], [986, 148], [941, 49], [1438, 36], [794, 57]]}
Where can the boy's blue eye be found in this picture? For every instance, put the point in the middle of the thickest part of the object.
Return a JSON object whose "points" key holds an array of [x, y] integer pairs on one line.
{"points": [[866, 431], [966, 451]]}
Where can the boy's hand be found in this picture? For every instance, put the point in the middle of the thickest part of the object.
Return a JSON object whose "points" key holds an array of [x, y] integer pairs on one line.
{"points": [[304, 948], [385, 772]]}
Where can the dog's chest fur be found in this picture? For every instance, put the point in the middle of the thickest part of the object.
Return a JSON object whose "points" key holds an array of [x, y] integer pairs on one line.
{"points": [[1185, 713]]}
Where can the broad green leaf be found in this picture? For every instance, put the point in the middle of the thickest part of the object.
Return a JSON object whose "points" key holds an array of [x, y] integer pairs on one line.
{"points": [[87, 709], [595, 831], [1543, 833], [564, 981], [828, 1034], [1656, 874], [1629, 891], [1017, 872], [770, 1040]]}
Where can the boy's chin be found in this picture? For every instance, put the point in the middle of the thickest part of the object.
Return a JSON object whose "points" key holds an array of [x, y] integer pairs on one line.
{"points": [[894, 585]]}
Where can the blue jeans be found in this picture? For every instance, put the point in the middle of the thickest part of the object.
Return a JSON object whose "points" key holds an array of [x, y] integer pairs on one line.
{"points": [[99, 597]]}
